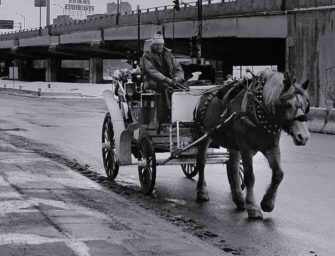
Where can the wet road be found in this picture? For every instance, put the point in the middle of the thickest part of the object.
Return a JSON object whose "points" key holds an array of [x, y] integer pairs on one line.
{"points": [[301, 224]]}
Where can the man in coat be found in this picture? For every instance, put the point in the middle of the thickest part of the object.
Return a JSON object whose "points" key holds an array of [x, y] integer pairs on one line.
{"points": [[161, 73]]}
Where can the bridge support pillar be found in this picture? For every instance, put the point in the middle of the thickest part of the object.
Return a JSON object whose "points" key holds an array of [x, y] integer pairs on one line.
{"points": [[4, 69], [96, 70], [24, 68], [53, 65]]}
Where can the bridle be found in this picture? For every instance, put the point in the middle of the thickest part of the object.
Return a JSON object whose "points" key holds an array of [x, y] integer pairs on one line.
{"points": [[303, 117], [273, 123]]}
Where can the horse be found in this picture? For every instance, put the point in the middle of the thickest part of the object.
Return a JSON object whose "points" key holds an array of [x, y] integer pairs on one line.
{"points": [[271, 103]]}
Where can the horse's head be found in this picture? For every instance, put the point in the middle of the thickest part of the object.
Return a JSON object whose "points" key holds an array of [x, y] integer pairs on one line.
{"points": [[291, 108]]}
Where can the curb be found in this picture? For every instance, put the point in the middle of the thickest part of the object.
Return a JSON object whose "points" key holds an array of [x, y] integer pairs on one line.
{"points": [[18, 92], [30, 93]]}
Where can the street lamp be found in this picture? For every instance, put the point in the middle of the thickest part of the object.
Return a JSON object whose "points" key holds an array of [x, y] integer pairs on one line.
{"points": [[24, 19]]}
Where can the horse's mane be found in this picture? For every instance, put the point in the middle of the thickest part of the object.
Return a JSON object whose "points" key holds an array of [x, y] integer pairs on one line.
{"points": [[273, 88]]}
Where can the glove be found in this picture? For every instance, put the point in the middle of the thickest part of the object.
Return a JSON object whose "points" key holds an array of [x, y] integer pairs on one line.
{"points": [[169, 81], [178, 80]]}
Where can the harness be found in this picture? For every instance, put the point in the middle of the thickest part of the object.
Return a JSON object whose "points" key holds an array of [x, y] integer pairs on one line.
{"points": [[253, 110], [254, 107]]}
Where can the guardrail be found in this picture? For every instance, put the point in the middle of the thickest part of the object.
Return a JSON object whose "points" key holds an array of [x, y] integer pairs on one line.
{"points": [[155, 15], [322, 120]]}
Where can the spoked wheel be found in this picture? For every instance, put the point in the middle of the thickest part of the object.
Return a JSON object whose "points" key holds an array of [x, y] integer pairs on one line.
{"points": [[189, 170], [147, 170], [109, 157]]}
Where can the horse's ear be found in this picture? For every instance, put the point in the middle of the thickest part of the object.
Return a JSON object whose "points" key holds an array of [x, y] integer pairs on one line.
{"points": [[287, 81], [305, 85]]}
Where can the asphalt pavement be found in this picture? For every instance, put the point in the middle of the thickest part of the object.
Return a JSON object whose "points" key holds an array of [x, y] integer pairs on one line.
{"points": [[301, 224]]}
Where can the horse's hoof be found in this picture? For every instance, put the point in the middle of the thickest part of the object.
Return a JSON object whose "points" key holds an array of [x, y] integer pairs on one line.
{"points": [[239, 202], [267, 205], [255, 214], [202, 197]]}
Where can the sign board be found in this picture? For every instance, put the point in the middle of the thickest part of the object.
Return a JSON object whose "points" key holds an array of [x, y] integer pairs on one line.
{"points": [[40, 3], [79, 5], [6, 24]]}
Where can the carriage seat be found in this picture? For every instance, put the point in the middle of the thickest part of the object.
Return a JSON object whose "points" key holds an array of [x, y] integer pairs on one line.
{"points": [[183, 105]]}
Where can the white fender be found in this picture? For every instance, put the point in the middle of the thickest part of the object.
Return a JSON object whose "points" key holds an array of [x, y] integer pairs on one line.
{"points": [[122, 136]]}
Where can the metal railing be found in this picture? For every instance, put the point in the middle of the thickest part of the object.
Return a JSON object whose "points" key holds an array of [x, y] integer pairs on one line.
{"points": [[105, 18]]}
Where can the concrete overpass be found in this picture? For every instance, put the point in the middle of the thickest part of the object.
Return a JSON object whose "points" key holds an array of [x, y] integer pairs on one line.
{"points": [[240, 32]]}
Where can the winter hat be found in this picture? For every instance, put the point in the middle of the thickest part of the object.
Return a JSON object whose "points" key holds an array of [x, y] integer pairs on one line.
{"points": [[157, 39]]}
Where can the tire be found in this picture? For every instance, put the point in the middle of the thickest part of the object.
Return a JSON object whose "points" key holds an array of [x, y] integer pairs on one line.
{"points": [[109, 157], [147, 173], [189, 170]]}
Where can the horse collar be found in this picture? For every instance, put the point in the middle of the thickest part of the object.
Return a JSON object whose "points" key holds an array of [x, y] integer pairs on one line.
{"points": [[263, 118]]}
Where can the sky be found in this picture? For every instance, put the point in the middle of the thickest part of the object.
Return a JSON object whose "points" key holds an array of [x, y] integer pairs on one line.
{"points": [[20, 10]]}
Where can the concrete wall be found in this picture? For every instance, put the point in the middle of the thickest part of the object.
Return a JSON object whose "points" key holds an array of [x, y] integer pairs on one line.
{"points": [[158, 16], [307, 3], [8, 44], [310, 49], [323, 120]]}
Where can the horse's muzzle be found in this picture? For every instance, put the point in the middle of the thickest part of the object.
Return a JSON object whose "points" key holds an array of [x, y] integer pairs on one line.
{"points": [[300, 133], [300, 140]]}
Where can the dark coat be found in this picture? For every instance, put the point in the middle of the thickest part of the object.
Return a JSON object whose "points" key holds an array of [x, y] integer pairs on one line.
{"points": [[156, 68]]}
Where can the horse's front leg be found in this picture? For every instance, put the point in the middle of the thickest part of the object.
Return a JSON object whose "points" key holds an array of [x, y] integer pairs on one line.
{"points": [[273, 157], [254, 212], [202, 193]]}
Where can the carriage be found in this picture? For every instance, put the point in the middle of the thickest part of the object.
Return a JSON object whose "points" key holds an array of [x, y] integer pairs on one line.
{"points": [[132, 135]]}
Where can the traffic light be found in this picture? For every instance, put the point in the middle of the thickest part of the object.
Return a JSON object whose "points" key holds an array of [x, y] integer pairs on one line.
{"points": [[176, 5]]}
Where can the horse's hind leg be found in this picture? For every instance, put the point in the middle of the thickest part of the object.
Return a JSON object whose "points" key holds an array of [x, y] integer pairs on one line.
{"points": [[202, 193], [254, 212], [233, 166], [273, 157]]}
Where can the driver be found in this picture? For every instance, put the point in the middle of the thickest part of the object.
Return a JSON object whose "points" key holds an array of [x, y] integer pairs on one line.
{"points": [[161, 73]]}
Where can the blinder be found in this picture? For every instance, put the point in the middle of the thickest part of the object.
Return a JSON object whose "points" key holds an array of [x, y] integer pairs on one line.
{"points": [[300, 116]]}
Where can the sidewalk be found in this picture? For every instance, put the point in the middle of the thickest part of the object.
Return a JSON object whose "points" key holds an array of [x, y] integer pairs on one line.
{"points": [[47, 209], [54, 89]]}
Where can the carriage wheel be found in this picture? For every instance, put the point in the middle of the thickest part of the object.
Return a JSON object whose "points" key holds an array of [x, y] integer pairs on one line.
{"points": [[109, 157], [147, 172], [189, 170]]}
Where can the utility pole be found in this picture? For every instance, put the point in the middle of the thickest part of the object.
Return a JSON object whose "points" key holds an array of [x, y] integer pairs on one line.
{"points": [[138, 32], [118, 12], [176, 7], [199, 36], [40, 17], [48, 12]]}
